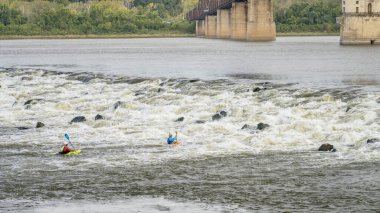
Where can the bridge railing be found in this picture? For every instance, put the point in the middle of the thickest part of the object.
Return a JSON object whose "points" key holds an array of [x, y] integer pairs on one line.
{"points": [[207, 7]]}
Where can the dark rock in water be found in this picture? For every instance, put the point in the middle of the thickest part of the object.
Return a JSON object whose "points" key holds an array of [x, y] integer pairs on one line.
{"points": [[32, 101], [257, 89], [194, 80], [78, 119], [327, 148], [180, 119], [117, 105], [373, 140], [219, 115], [262, 126], [14, 103], [162, 84], [216, 117], [160, 90], [139, 93], [200, 121], [26, 78], [40, 124], [23, 128], [99, 117], [348, 109], [223, 113], [246, 126]]}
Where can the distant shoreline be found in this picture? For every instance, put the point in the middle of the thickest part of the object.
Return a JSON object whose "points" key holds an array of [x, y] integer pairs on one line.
{"points": [[307, 34], [97, 36], [153, 35]]}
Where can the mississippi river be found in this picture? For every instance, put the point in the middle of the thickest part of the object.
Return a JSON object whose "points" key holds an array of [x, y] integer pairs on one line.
{"points": [[250, 116]]}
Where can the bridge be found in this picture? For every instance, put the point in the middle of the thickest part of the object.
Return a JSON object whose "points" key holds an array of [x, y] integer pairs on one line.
{"points": [[250, 20]]}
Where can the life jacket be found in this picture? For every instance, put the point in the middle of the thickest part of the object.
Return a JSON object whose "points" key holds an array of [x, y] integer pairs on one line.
{"points": [[65, 149]]}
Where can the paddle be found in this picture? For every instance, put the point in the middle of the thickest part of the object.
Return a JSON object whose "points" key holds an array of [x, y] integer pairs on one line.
{"points": [[68, 138]]}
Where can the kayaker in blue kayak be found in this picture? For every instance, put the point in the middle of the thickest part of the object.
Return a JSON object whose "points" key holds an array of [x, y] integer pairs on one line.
{"points": [[171, 139]]}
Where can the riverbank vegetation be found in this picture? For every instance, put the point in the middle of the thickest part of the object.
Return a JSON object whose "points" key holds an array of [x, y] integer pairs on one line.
{"points": [[62, 17], [313, 16], [142, 18]]}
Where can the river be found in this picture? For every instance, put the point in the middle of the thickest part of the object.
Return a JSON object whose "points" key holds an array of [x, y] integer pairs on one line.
{"points": [[309, 90]]}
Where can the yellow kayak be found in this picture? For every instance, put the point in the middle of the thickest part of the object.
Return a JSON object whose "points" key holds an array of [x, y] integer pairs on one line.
{"points": [[75, 152]]}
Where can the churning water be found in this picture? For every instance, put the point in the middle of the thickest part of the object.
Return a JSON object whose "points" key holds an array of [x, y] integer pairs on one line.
{"points": [[309, 92]]}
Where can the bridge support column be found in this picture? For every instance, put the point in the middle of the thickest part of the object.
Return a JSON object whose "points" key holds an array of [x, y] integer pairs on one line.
{"points": [[260, 25], [223, 23], [210, 26], [200, 28], [239, 21]]}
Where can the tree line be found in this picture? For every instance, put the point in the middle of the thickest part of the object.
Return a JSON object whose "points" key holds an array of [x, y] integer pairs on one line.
{"points": [[308, 16], [60, 17]]}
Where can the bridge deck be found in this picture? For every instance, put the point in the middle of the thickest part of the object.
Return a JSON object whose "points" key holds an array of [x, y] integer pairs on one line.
{"points": [[209, 7]]}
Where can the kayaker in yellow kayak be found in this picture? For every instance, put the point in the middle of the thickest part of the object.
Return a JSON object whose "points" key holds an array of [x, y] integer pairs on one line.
{"points": [[65, 149]]}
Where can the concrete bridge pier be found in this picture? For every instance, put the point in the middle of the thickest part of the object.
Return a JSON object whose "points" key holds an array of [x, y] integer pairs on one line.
{"points": [[239, 21], [260, 23], [210, 27], [200, 28], [223, 23]]}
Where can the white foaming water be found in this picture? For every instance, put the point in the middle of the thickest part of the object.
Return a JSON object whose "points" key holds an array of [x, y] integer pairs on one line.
{"points": [[135, 132]]}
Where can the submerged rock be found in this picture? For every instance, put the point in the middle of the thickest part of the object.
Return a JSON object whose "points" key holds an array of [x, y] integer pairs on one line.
{"points": [[32, 101], [139, 93], [223, 113], [200, 121], [23, 128], [261, 126], [257, 89], [180, 119], [246, 126], [40, 124], [373, 140], [78, 119], [216, 117], [26, 78], [327, 148], [135, 80], [160, 90], [219, 115], [99, 117], [117, 105], [83, 77], [348, 109]]}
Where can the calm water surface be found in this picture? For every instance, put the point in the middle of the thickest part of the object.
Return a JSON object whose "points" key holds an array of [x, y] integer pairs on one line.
{"points": [[309, 90], [314, 60]]}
